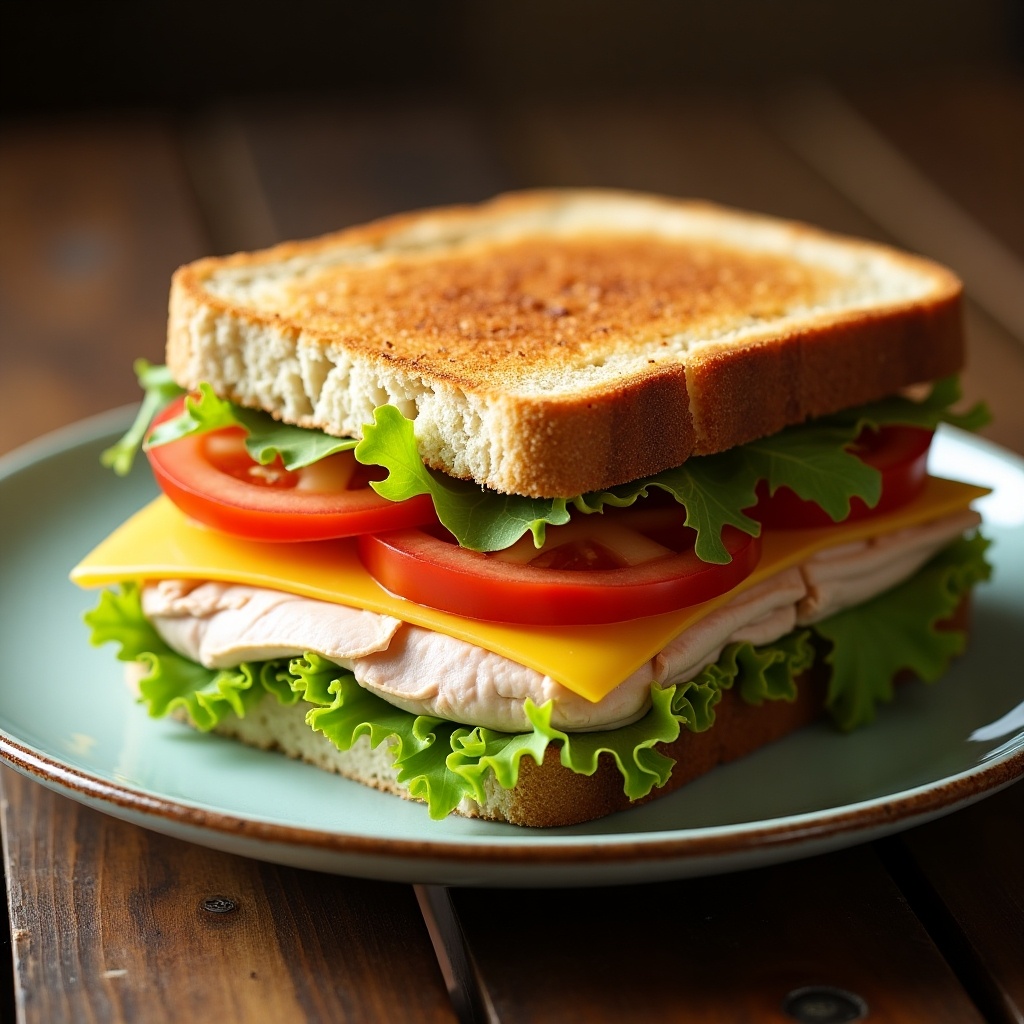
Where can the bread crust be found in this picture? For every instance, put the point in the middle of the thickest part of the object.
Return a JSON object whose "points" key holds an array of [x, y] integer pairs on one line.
{"points": [[556, 342], [547, 795]]}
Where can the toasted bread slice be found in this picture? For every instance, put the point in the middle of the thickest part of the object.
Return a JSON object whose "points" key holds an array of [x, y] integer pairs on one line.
{"points": [[556, 342]]}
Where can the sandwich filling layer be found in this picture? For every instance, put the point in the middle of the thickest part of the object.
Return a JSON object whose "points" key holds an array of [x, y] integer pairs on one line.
{"points": [[857, 654], [221, 625], [591, 662]]}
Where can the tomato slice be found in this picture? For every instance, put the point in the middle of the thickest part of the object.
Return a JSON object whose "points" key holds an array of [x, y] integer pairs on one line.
{"points": [[899, 453], [599, 568], [213, 479]]}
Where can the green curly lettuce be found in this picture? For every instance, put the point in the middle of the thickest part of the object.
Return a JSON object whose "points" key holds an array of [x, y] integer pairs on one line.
{"points": [[440, 762], [171, 681], [764, 673], [898, 630], [716, 489], [158, 388], [928, 412], [266, 438]]}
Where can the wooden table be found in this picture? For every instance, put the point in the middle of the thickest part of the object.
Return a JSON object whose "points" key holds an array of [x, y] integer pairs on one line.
{"points": [[112, 923]]}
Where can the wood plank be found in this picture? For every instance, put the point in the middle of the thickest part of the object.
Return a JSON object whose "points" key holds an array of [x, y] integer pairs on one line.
{"points": [[327, 165], [964, 876], [731, 947], [965, 132], [7, 999], [94, 216], [703, 146], [116, 923]]}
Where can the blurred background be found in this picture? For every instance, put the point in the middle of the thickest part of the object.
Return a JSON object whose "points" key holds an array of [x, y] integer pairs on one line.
{"points": [[135, 137], [114, 53]]}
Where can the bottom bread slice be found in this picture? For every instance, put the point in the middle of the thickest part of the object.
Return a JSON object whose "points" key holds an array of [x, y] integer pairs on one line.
{"points": [[546, 794], [549, 794]]}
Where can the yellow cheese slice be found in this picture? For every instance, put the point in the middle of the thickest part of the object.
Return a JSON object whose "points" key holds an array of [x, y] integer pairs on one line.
{"points": [[161, 543]]}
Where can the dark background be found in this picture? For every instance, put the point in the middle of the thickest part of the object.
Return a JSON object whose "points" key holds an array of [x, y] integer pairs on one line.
{"points": [[115, 53]]}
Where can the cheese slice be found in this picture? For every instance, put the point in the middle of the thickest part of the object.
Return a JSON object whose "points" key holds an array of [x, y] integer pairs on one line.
{"points": [[161, 543]]}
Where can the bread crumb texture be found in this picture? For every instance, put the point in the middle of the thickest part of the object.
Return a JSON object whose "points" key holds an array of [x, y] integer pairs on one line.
{"points": [[551, 343], [547, 794]]}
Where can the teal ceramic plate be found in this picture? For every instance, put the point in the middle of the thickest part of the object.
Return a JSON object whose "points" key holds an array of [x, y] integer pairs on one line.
{"points": [[67, 720]]}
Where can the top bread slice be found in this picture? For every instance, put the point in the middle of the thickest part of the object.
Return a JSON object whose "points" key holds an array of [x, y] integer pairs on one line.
{"points": [[552, 343]]}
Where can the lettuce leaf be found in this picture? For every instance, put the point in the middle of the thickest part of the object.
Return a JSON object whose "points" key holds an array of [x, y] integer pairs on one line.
{"points": [[765, 673], [266, 438], [715, 489], [631, 746], [480, 519], [441, 762], [897, 630], [158, 389], [172, 681], [937, 407]]}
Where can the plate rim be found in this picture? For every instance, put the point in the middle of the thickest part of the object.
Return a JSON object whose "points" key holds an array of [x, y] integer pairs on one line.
{"points": [[920, 802]]}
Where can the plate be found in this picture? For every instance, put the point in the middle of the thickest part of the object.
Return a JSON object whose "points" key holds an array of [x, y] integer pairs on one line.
{"points": [[67, 720]]}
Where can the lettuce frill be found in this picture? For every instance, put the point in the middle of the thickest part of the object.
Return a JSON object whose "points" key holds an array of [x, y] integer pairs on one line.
{"points": [[443, 762]]}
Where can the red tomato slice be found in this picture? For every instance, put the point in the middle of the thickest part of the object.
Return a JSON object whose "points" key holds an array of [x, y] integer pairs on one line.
{"points": [[899, 453], [573, 582], [213, 479]]}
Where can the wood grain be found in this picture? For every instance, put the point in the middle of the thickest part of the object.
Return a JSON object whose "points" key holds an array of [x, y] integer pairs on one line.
{"points": [[964, 876], [94, 216], [328, 164], [111, 923], [725, 948], [718, 147], [966, 133]]}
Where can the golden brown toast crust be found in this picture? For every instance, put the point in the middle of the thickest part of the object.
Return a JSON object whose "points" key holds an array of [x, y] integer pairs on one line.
{"points": [[506, 315], [551, 343]]}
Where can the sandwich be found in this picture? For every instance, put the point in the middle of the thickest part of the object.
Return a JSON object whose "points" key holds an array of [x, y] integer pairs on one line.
{"points": [[538, 509]]}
